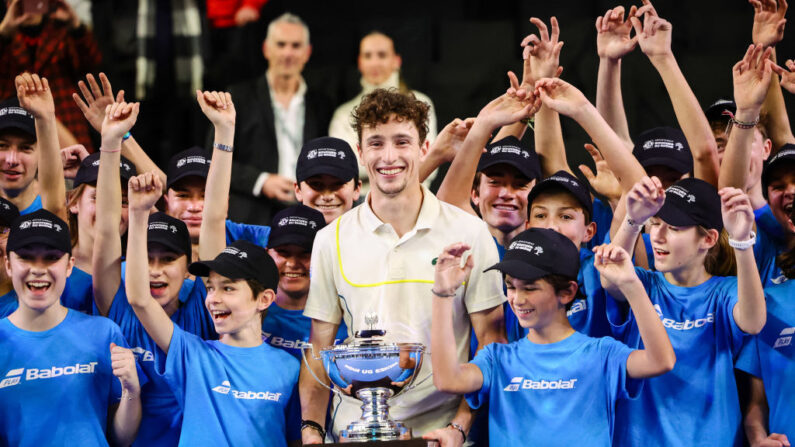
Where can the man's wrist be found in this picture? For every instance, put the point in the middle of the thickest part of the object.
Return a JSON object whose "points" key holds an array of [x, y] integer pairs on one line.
{"points": [[748, 114]]}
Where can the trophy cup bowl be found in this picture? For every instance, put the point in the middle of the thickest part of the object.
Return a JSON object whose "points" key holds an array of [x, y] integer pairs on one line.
{"points": [[373, 371]]}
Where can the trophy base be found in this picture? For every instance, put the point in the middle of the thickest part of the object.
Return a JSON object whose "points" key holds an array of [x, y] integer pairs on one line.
{"points": [[375, 430], [404, 443]]}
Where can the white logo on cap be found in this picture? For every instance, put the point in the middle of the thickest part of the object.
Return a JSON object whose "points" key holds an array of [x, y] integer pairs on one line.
{"points": [[679, 146], [39, 223], [234, 251], [15, 111], [782, 154], [283, 222], [158, 226], [560, 178], [200, 159], [173, 228], [311, 154], [312, 224], [663, 143], [297, 220], [682, 193], [181, 162], [57, 227], [5, 206], [24, 225], [95, 163], [691, 198], [525, 154], [526, 246], [341, 155], [509, 150]]}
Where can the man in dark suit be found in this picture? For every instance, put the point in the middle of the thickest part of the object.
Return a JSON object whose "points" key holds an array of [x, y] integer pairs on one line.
{"points": [[276, 114]]}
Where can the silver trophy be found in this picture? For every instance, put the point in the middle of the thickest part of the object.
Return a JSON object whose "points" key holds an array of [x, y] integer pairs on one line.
{"points": [[373, 371]]}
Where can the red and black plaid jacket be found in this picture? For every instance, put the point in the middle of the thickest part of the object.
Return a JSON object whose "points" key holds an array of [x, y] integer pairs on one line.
{"points": [[61, 56]]}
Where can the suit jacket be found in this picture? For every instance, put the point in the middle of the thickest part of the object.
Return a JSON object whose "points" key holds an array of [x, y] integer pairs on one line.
{"points": [[255, 146]]}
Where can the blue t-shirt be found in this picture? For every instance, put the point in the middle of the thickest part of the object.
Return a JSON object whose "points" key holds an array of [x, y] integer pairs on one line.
{"points": [[769, 244], [162, 417], [256, 234], [770, 355], [603, 216], [231, 395], [289, 330], [57, 384], [34, 206], [560, 393], [684, 406], [77, 294]]}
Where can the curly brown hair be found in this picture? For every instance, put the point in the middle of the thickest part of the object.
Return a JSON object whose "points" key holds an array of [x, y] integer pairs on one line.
{"points": [[380, 105]]}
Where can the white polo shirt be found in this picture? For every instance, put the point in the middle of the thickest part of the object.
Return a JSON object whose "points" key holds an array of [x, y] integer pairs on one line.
{"points": [[361, 266]]}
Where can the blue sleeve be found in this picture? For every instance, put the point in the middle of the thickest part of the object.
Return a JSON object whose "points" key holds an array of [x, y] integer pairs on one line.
{"points": [[619, 313], [736, 336], [748, 360], [78, 293], [256, 234], [175, 366], [484, 360], [649, 251], [615, 355]]}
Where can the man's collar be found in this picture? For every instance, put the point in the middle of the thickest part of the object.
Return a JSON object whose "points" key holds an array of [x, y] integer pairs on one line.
{"points": [[429, 211]]}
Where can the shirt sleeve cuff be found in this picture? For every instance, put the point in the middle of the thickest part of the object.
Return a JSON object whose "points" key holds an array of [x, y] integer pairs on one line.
{"points": [[258, 184]]}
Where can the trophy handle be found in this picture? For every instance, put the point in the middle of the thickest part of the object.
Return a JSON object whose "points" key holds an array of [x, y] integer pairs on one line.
{"points": [[308, 347]]}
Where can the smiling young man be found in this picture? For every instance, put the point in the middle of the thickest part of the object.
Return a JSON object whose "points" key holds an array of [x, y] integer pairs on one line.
{"points": [[379, 258], [19, 158]]}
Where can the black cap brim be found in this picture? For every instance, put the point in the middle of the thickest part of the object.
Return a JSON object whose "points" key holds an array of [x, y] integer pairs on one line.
{"points": [[227, 269], [11, 124], [677, 165], [673, 215], [298, 239], [343, 174], [201, 173], [525, 170], [34, 240], [518, 269]]}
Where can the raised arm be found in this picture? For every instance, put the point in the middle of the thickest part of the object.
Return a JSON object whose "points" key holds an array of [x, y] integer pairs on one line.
{"points": [[756, 415], [457, 184], [787, 75], [314, 396], [620, 280], [654, 37], [567, 100], [750, 312], [613, 42], [106, 257], [144, 191], [35, 96], [93, 104], [768, 30], [643, 201], [751, 78], [449, 375], [446, 145], [219, 109]]}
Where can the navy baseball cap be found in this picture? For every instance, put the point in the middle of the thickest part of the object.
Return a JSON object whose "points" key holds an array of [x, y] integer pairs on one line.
{"points": [[721, 110], [784, 156], [539, 252], [8, 213], [89, 170], [297, 224], [13, 116], [511, 151], [39, 227], [326, 155], [169, 232], [567, 182], [190, 162], [241, 260], [692, 201], [664, 146]]}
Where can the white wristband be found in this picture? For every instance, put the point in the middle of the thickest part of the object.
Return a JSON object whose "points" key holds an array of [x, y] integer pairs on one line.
{"points": [[743, 245], [635, 225]]}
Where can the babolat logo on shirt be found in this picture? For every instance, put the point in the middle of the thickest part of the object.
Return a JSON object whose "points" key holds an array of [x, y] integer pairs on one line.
{"points": [[226, 388], [297, 220], [684, 325], [518, 383], [663, 143], [325, 152], [681, 192], [192, 159], [526, 246], [143, 355], [784, 338], [14, 377], [578, 306]]}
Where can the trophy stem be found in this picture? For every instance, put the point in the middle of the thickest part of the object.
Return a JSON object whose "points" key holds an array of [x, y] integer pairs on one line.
{"points": [[375, 424], [374, 403]]}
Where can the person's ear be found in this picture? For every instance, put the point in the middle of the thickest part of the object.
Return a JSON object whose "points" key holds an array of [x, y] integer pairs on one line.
{"points": [[357, 189], [767, 147], [265, 299], [70, 265], [474, 196], [566, 295], [590, 231], [710, 239], [297, 190]]}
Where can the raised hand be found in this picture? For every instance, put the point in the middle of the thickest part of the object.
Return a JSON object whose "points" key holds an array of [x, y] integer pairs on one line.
{"points": [[119, 119], [612, 33], [143, 192], [752, 77], [769, 21], [450, 272], [218, 108], [123, 363], [63, 12], [615, 267], [35, 95], [653, 33], [737, 213], [541, 55], [94, 100], [15, 16], [246, 15], [449, 140], [560, 96], [787, 77], [645, 199], [604, 181], [509, 108], [71, 156]]}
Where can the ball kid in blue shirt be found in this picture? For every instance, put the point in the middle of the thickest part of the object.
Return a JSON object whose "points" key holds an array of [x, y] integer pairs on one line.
{"points": [[705, 313], [537, 385]]}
